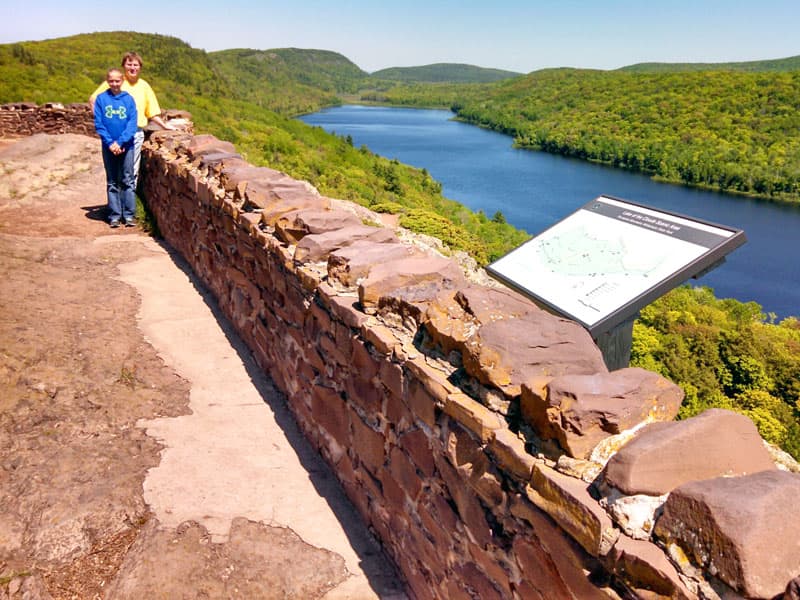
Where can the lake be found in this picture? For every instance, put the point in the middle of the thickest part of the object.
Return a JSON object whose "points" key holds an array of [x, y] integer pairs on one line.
{"points": [[534, 190]]}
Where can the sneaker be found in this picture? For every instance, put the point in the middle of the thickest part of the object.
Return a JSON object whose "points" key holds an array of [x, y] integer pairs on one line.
{"points": [[130, 222], [114, 224]]}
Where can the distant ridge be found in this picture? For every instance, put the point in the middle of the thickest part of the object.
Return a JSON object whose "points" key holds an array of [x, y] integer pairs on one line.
{"points": [[791, 63], [322, 69], [444, 73]]}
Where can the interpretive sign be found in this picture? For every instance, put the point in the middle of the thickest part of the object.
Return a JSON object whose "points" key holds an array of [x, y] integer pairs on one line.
{"points": [[603, 263]]}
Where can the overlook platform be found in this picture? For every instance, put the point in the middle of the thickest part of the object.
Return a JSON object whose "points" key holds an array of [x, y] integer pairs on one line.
{"points": [[143, 453]]}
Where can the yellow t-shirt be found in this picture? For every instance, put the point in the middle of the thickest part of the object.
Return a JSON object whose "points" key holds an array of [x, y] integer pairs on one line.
{"points": [[144, 97]]}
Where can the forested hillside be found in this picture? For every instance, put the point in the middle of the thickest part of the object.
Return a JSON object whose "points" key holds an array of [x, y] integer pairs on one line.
{"points": [[735, 131], [443, 73], [289, 80], [756, 66], [722, 352]]}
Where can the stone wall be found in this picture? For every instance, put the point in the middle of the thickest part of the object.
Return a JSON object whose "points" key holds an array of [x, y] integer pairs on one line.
{"points": [[27, 118], [482, 439]]}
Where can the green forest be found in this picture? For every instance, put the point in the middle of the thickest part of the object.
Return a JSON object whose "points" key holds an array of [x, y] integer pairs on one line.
{"points": [[733, 131], [733, 127]]}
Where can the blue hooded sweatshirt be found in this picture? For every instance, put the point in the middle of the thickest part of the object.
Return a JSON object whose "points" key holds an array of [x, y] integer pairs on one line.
{"points": [[115, 118]]}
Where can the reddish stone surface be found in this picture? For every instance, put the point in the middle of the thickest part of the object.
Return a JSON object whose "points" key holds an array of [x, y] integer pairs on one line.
{"points": [[663, 456], [350, 264], [368, 444], [405, 287], [745, 529], [582, 410], [199, 145], [317, 247], [505, 341], [330, 412], [404, 473], [294, 226], [647, 565], [415, 444]]}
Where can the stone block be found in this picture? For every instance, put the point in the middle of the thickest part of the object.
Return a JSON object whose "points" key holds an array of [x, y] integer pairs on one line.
{"points": [[344, 308], [505, 340], [512, 458], [368, 444], [470, 576], [274, 209], [362, 362], [293, 226], [581, 410], [365, 395], [391, 376], [564, 564], [404, 287], [743, 529], [570, 504], [473, 415], [381, 337], [646, 571], [352, 263], [662, 456], [317, 247], [416, 445], [331, 413], [404, 473], [470, 509]]}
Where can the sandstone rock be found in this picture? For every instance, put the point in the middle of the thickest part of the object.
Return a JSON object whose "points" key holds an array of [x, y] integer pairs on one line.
{"points": [[793, 590], [349, 264], [405, 287], [665, 455], [581, 410], [267, 194], [300, 201], [201, 145], [645, 568], [294, 226], [234, 173], [744, 530], [316, 247], [568, 502], [505, 340]]}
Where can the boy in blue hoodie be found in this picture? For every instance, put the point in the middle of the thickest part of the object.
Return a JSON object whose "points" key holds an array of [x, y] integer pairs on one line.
{"points": [[115, 123]]}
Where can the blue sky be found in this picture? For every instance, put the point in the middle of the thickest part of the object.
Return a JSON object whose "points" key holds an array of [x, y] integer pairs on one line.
{"points": [[516, 35]]}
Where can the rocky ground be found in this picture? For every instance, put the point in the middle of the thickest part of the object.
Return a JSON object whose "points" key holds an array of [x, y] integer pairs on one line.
{"points": [[76, 376]]}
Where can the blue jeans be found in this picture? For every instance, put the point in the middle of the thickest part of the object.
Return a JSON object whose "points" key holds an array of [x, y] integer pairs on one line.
{"points": [[120, 181]]}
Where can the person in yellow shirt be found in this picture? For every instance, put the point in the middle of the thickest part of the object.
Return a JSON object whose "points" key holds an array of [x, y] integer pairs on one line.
{"points": [[147, 107]]}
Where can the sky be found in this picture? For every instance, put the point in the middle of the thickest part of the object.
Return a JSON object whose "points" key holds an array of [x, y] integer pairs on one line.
{"points": [[514, 35]]}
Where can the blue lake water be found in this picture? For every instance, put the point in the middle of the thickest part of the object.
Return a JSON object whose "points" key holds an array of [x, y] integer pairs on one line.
{"points": [[534, 190]]}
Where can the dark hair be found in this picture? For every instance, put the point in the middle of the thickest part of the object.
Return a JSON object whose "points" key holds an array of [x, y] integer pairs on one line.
{"points": [[132, 56]]}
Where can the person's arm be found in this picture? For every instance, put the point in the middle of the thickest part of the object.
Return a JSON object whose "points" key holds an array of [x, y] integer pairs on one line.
{"points": [[162, 123], [153, 110], [100, 126]]}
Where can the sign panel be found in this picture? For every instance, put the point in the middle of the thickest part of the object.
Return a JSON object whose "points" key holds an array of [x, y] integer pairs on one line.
{"points": [[610, 258]]}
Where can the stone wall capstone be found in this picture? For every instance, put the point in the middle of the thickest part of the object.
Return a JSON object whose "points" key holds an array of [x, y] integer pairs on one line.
{"points": [[477, 435]]}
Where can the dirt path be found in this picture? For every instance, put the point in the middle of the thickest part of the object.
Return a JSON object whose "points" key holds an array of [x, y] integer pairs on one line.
{"points": [[120, 473]]}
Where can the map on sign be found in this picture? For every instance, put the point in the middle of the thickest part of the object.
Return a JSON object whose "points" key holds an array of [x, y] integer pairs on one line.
{"points": [[607, 260]]}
